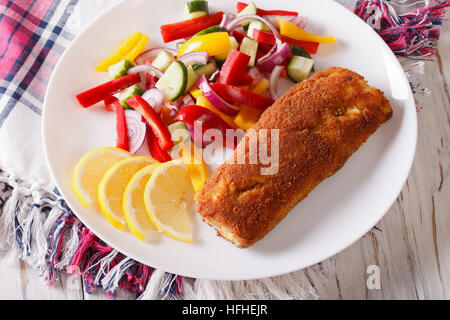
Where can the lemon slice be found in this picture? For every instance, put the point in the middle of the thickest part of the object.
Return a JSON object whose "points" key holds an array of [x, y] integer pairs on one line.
{"points": [[112, 187], [90, 170], [134, 210], [166, 197]]}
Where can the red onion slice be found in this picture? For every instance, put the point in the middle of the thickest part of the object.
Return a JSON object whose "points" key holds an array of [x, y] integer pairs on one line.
{"points": [[214, 98], [155, 98], [267, 63], [152, 53], [195, 57], [274, 77], [136, 130], [227, 17], [146, 68], [255, 74]]}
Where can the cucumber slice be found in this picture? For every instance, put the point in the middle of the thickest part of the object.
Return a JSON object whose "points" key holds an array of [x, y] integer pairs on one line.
{"points": [[206, 69], [197, 5], [120, 69], [129, 93], [249, 47], [234, 46], [196, 9], [179, 132], [192, 78], [300, 51], [299, 68], [163, 60], [212, 29], [173, 82], [250, 9], [196, 15], [256, 24]]}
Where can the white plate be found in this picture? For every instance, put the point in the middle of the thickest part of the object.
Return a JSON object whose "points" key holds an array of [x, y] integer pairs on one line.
{"points": [[337, 213]]}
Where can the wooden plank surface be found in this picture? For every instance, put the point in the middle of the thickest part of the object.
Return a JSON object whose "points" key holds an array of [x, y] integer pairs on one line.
{"points": [[411, 247]]}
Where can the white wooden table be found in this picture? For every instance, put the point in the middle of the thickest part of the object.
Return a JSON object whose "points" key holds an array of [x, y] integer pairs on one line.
{"points": [[412, 247]]}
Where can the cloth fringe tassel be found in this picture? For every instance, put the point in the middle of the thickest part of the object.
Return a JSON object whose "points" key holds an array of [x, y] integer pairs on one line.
{"points": [[412, 34], [39, 228]]}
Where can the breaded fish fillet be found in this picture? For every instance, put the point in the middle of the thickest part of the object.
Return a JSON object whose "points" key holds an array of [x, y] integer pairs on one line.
{"points": [[322, 122]]}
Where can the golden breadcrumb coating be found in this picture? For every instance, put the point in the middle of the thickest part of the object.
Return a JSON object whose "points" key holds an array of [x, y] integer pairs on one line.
{"points": [[322, 121]]}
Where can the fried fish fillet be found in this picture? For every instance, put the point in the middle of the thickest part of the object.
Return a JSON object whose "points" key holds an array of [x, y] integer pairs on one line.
{"points": [[322, 122]]}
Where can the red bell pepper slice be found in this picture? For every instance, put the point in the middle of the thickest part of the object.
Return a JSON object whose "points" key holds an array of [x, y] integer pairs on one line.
{"points": [[103, 91], [260, 12], [188, 28], [154, 121], [204, 119], [112, 103], [155, 150], [267, 37], [241, 96], [234, 67], [245, 80]]}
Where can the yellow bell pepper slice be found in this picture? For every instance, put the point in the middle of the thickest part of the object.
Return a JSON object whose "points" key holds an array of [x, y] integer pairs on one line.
{"points": [[292, 31], [195, 165], [124, 48], [137, 50], [204, 102], [214, 43], [248, 116], [195, 92], [261, 87]]}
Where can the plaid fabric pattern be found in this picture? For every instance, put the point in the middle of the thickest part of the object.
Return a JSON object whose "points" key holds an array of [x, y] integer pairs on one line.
{"points": [[31, 41]]}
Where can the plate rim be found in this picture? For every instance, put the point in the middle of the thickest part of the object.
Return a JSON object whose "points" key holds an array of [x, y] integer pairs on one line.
{"points": [[348, 243]]}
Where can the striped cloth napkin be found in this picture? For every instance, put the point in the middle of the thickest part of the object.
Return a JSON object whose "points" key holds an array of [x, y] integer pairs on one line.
{"points": [[35, 223]]}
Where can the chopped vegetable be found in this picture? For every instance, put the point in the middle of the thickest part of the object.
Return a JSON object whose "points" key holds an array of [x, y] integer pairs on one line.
{"points": [[192, 78], [215, 99], [136, 128], [241, 6], [128, 93], [241, 96], [268, 38], [120, 69], [198, 116], [188, 28], [213, 43], [124, 48], [291, 30], [163, 60], [179, 133], [234, 46], [92, 96], [153, 120], [248, 9], [233, 68], [204, 102], [207, 69], [250, 48], [196, 9], [299, 68], [247, 117], [173, 82], [121, 123], [155, 149], [195, 165], [137, 50]]}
